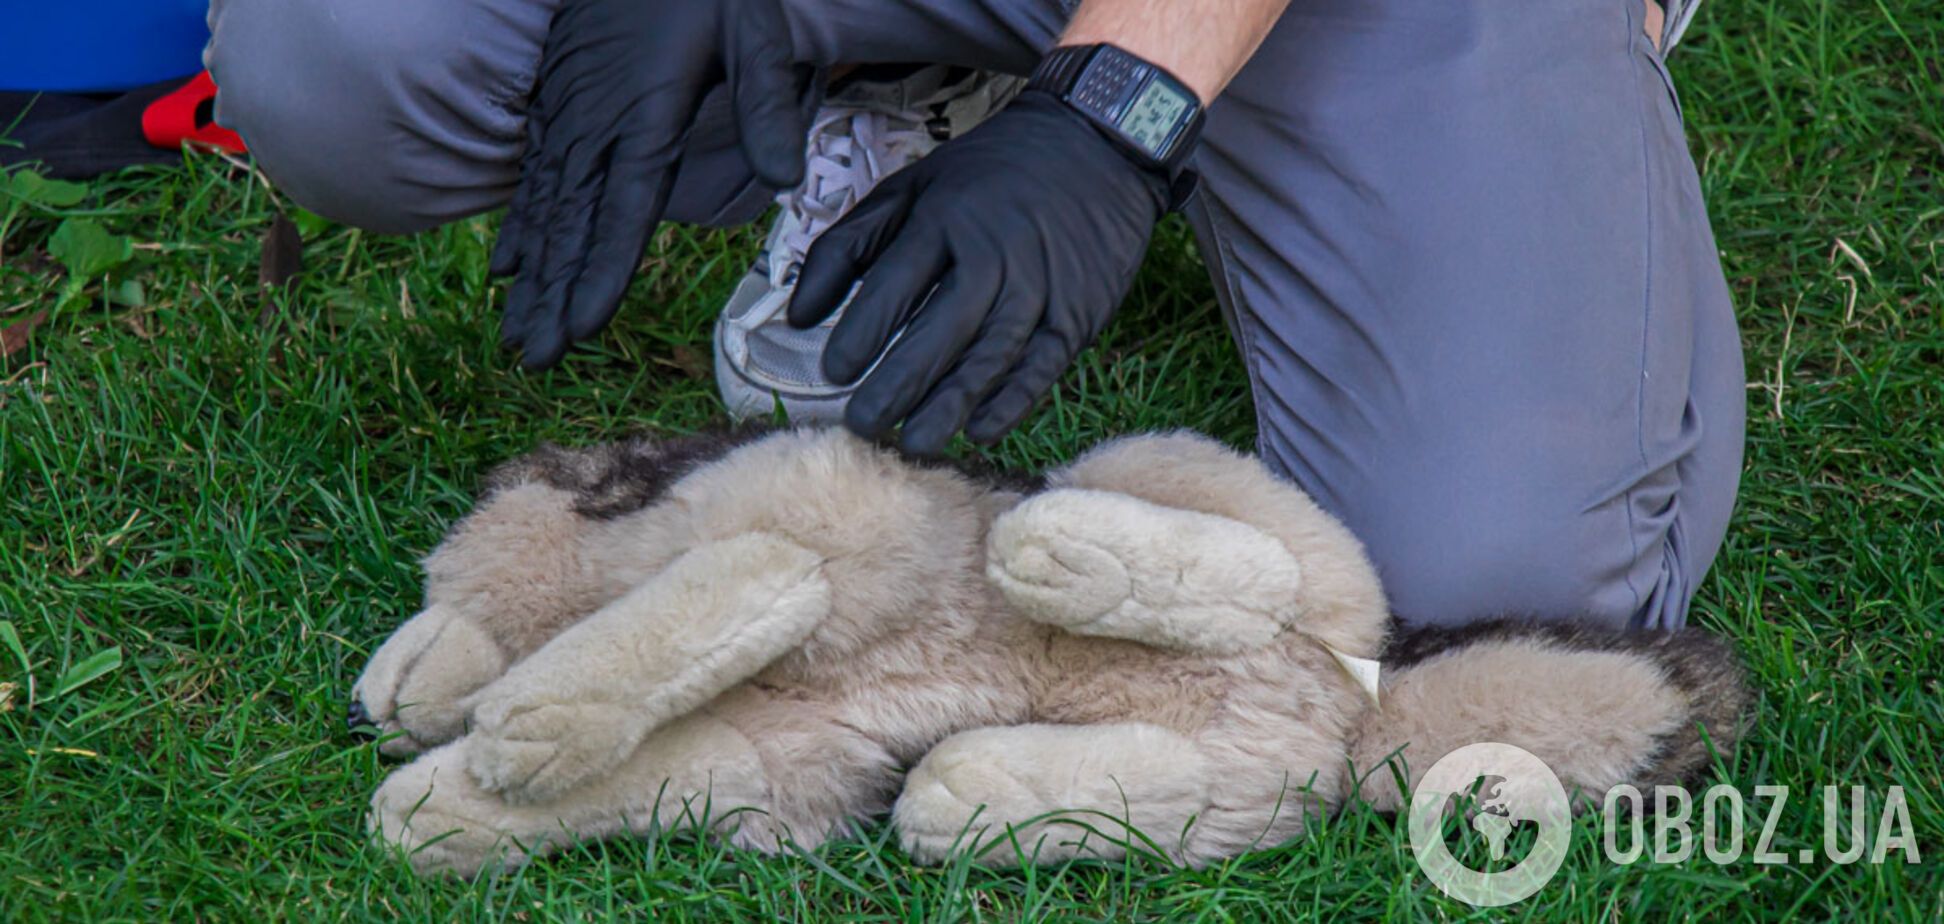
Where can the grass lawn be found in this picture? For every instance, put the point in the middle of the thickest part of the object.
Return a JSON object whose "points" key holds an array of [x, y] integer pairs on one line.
{"points": [[212, 503]]}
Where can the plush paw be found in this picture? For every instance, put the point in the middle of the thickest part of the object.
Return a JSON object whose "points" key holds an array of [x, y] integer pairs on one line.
{"points": [[530, 749], [951, 804], [696, 770], [1100, 563], [443, 824], [1055, 792], [577, 708], [414, 689]]}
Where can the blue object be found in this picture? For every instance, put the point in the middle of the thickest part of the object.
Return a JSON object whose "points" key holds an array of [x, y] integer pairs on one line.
{"points": [[86, 46]]}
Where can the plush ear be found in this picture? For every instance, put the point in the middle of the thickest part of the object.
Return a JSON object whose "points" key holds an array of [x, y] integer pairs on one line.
{"points": [[1600, 708]]}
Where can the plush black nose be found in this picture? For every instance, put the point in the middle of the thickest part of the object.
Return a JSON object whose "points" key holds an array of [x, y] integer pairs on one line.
{"points": [[358, 720]]}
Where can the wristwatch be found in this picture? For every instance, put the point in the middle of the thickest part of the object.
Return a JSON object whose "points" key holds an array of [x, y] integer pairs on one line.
{"points": [[1143, 108]]}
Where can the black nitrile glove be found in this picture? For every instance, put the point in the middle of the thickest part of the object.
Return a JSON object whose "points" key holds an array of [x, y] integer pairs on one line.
{"points": [[618, 88], [1030, 227]]}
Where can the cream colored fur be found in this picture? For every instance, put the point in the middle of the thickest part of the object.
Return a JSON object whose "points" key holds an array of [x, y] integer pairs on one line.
{"points": [[576, 708], [1098, 563], [1589, 715], [1137, 657], [1054, 792]]}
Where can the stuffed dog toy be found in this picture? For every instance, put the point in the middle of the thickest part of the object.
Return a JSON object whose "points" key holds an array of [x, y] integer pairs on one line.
{"points": [[779, 636]]}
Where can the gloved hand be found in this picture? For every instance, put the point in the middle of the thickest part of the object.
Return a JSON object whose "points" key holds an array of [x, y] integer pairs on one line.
{"points": [[618, 88], [1030, 227]]}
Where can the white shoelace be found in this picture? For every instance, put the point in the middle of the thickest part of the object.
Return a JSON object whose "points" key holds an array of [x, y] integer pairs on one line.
{"points": [[849, 151]]}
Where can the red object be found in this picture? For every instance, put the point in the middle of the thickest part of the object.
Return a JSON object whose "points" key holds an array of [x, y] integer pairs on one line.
{"points": [[186, 114]]}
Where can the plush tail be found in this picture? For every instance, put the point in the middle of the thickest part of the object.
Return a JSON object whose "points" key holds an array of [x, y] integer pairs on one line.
{"points": [[1600, 708]]}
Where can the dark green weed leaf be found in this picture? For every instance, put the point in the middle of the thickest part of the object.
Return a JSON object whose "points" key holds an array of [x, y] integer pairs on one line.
{"points": [[34, 189], [87, 249]]}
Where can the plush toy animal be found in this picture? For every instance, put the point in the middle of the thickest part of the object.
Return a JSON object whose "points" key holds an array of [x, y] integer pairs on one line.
{"points": [[783, 635]]}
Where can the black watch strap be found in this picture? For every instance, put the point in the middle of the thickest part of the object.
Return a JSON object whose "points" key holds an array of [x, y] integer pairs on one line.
{"points": [[1142, 107]]}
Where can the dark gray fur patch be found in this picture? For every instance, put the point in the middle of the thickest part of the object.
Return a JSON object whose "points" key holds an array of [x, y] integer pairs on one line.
{"points": [[614, 479], [609, 480], [1703, 667]]}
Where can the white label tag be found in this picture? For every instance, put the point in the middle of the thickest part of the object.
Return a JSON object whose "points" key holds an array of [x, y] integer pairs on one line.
{"points": [[1363, 670]]}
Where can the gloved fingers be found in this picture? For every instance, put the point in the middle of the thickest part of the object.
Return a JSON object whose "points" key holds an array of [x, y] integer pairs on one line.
{"points": [[505, 260], [891, 293], [566, 241], [1045, 358], [516, 319], [767, 85], [543, 339], [519, 297], [625, 217], [584, 158], [931, 344], [528, 242], [846, 249], [996, 349]]}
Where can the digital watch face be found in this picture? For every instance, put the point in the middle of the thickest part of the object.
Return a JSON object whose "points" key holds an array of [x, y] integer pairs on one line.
{"points": [[1152, 118]]}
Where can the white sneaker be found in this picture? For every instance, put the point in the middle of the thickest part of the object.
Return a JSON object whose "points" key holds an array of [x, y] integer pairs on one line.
{"points": [[862, 134]]}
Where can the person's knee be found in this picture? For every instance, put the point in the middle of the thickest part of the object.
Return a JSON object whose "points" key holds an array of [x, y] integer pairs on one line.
{"points": [[1470, 546], [391, 117]]}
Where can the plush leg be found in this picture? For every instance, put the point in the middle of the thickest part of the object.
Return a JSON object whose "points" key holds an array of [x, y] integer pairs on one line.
{"points": [[582, 703], [505, 580], [412, 689], [1178, 541], [757, 771], [1063, 791]]}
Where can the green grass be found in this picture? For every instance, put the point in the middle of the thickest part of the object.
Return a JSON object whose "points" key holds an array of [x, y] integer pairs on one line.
{"points": [[233, 499]]}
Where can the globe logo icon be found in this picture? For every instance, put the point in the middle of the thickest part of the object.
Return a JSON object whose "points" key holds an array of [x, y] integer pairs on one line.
{"points": [[1505, 787]]}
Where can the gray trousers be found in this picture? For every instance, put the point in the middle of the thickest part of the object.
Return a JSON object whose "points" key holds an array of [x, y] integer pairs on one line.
{"points": [[1461, 242]]}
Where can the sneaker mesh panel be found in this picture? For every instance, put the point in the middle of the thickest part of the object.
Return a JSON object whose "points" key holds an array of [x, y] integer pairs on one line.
{"points": [[792, 358]]}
